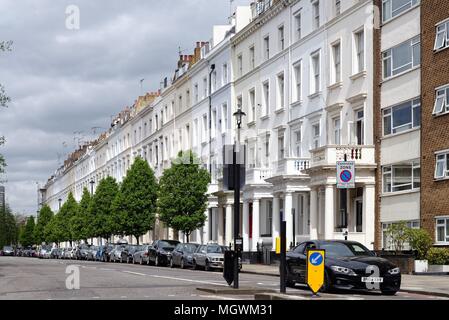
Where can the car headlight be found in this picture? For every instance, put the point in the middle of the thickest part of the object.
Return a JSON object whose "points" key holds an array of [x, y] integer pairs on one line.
{"points": [[394, 271], [343, 270]]}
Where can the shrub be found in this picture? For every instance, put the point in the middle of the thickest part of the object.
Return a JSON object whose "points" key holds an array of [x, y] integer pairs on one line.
{"points": [[438, 256], [398, 234], [420, 241]]}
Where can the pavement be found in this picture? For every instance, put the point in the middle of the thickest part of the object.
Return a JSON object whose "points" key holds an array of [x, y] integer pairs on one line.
{"points": [[421, 284], [36, 279]]}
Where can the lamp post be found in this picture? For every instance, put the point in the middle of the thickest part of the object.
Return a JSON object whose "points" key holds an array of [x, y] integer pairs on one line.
{"points": [[92, 182], [59, 200], [238, 116]]}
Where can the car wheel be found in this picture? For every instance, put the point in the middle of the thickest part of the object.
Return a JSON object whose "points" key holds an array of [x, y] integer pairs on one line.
{"points": [[156, 261], [141, 261], [388, 292], [288, 282], [207, 267], [182, 264], [327, 286], [195, 266], [171, 263]]}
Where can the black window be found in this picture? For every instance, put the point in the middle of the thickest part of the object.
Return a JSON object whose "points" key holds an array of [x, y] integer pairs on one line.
{"points": [[300, 249]]}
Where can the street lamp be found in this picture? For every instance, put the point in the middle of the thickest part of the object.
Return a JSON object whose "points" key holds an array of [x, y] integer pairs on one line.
{"points": [[92, 182], [59, 200], [238, 116]]}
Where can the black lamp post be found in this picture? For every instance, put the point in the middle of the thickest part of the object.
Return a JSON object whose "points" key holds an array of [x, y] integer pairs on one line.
{"points": [[238, 116], [92, 182], [59, 200]]}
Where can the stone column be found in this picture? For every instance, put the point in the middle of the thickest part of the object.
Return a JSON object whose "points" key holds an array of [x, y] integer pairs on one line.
{"points": [[228, 224], [305, 213], [288, 201], [256, 228], [329, 212], [220, 235], [276, 220], [313, 214], [368, 215], [245, 225]]}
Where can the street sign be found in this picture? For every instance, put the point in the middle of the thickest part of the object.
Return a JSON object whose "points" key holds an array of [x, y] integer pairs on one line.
{"points": [[315, 269], [345, 174]]}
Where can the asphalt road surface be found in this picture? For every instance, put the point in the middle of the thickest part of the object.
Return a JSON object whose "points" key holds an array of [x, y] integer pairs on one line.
{"points": [[32, 278]]}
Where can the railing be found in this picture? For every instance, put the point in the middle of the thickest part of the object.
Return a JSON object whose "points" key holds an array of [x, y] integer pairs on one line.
{"points": [[260, 6], [292, 166], [257, 175], [329, 155]]}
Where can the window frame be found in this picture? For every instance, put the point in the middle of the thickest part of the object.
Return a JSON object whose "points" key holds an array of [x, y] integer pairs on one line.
{"points": [[445, 225], [445, 35], [445, 103], [297, 68], [389, 170], [387, 55], [413, 4], [442, 157], [389, 113]]}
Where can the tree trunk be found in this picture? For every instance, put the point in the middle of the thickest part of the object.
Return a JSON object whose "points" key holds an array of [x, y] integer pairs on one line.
{"points": [[137, 237], [187, 236]]}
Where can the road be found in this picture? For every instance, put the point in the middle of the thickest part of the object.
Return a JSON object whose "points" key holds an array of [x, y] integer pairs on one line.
{"points": [[31, 278]]}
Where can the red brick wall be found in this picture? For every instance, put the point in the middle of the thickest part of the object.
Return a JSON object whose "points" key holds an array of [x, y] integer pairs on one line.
{"points": [[377, 125], [434, 130]]}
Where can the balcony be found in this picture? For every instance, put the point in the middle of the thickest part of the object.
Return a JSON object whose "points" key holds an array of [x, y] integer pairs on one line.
{"points": [[257, 175], [328, 156], [292, 166], [260, 6]]}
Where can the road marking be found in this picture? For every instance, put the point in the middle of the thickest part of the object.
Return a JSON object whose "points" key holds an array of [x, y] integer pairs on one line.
{"points": [[95, 297], [136, 273], [123, 297], [218, 297], [188, 280], [171, 295], [105, 269]]}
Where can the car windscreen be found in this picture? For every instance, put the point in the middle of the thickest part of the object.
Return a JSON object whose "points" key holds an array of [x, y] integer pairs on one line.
{"points": [[168, 244], [215, 249], [336, 249], [190, 248], [7, 248]]}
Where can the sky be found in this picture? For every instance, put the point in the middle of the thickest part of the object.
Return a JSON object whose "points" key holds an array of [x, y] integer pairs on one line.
{"points": [[64, 82]]}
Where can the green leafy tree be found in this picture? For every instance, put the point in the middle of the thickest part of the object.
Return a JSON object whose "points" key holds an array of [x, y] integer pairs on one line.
{"points": [[28, 233], [45, 215], [398, 234], [53, 231], [101, 208], [182, 197], [68, 210], [135, 205], [79, 223], [8, 227], [420, 241]]}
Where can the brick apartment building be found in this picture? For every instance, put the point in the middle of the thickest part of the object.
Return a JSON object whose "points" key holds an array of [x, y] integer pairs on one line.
{"points": [[435, 119]]}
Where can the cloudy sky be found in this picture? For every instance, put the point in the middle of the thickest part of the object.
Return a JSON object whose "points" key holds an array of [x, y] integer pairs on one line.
{"points": [[63, 82]]}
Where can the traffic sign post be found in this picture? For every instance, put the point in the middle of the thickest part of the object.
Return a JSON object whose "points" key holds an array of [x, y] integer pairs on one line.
{"points": [[345, 174], [315, 269]]}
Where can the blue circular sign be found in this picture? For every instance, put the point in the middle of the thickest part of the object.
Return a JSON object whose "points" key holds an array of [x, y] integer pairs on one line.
{"points": [[316, 258], [346, 176]]}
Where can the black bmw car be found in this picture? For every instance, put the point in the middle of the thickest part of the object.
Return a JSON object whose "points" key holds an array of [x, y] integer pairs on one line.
{"points": [[348, 265], [160, 251]]}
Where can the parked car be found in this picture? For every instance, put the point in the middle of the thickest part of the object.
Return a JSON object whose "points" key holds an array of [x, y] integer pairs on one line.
{"points": [[141, 254], [7, 251], [346, 266], [44, 252], [128, 253], [182, 255], [103, 254], [92, 253], [116, 253], [82, 251], [160, 251], [210, 256], [66, 254], [55, 253]]}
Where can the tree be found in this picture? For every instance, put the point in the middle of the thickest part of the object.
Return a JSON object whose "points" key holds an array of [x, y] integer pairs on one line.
{"points": [[53, 231], [420, 241], [68, 210], [182, 197], [101, 208], [398, 234], [135, 205], [28, 233], [80, 221], [45, 215], [8, 227]]}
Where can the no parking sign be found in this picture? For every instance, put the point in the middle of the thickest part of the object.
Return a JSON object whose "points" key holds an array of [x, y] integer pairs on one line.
{"points": [[345, 174]]}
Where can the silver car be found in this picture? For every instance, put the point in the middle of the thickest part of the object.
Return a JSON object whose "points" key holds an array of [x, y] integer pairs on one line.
{"points": [[209, 256]]}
